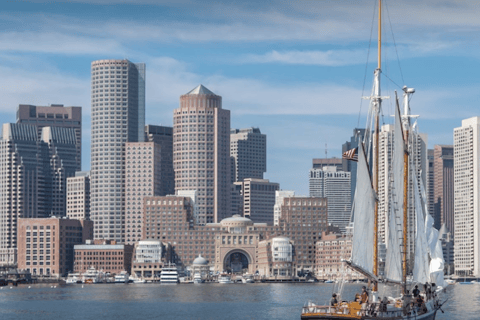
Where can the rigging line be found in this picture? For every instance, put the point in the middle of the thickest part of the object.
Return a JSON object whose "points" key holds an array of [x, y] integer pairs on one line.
{"points": [[400, 87], [366, 64], [394, 43]]}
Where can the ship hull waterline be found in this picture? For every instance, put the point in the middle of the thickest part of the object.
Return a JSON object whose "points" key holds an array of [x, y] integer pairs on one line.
{"points": [[326, 316]]}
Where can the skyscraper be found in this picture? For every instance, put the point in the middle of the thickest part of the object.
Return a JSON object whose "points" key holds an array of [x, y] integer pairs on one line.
{"points": [[33, 175], [118, 116], [443, 186], [248, 147], [351, 166], [163, 137], [201, 152], [78, 196], [335, 186], [466, 145], [55, 115]]}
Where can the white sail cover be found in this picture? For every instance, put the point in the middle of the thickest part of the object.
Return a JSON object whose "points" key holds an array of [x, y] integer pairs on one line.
{"points": [[393, 263], [421, 266], [364, 206]]}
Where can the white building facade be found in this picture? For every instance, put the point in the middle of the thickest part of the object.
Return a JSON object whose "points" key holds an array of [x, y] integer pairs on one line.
{"points": [[466, 140]]}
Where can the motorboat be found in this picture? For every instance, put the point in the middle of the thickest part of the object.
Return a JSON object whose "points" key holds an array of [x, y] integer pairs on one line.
{"points": [[92, 276], [248, 278], [73, 278], [224, 278], [169, 274], [122, 277]]}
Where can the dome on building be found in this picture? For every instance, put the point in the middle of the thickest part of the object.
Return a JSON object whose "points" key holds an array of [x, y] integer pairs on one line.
{"points": [[236, 221], [200, 261]]}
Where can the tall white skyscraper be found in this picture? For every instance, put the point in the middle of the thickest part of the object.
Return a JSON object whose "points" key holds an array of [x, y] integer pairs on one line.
{"points": [[118, 116], [334, 185], [418, 161], [466, 140]]}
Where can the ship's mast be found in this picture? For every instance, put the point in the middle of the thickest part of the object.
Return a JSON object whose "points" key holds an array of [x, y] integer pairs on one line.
{"points": [[377, 101]]}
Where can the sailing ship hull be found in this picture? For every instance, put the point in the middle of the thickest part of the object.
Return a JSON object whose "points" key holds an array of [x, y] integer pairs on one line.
{"points": [[331, 316]]}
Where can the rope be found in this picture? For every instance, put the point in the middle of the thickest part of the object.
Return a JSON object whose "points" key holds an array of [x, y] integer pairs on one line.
{"points": [[394, 43]]}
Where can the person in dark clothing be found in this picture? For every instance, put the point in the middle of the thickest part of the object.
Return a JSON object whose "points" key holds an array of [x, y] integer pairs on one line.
{"points": [[416, 292], [333, 301], [364, 295], [419, 301]]}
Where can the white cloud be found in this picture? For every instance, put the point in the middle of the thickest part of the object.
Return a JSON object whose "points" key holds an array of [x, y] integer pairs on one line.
{"points": [[331, 58]]}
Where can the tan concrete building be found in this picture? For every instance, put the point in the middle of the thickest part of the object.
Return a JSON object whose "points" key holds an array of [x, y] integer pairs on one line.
{"points": [[248, 148], [45, 245], [235, 240], [105, 255], [259, 200], [201, 152], [78, 196]]}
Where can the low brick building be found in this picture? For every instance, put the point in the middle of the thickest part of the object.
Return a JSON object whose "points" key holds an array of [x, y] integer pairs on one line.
{"points": [[105, 255], [45, 245]]}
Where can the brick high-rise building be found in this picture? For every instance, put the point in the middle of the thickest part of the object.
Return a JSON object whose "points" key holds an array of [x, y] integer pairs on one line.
{"points": [[142, 179], [45, 245], [201, 152], [55, 115], [118, 116], [248, 147]]}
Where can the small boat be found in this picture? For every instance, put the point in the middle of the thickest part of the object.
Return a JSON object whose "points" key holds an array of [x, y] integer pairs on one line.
{"points": [[122, 277], [134, 279], [329, 281], [248, 278], [73, 278], [169, 274], [224, 278], [93, 276], [197, 278]]}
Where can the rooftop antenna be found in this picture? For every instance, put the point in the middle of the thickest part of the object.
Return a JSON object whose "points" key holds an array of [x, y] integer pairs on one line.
{"points": [[326, 151]]}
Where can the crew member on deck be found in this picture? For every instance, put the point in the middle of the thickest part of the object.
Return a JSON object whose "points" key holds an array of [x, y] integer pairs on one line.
{"points": [[333, 301], [364, 295], [416, 292]]}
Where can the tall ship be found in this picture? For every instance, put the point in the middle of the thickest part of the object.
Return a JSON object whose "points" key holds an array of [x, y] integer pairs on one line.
{"points": [[169, 274], [413, 283]]}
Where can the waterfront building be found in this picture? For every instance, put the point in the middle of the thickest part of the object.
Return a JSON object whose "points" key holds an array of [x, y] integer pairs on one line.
{"points": [[466, 156], [248, 148], [259, 200], [149, 258], [78, 196], [277, 208], [55, 115], [169, 219], [351, 166], [45, 245], [443, 187], [33, 175], [163, 137], [275, 258], [330, 253], [105, 255], [201, 152], [118, 116], [334, 185]]}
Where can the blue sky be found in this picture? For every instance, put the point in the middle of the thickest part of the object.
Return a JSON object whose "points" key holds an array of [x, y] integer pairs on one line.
{"points": [[295, 69]]}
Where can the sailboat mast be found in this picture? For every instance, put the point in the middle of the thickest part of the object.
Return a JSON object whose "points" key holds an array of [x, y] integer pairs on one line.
{"points": [[405, 215], [376, 145]]}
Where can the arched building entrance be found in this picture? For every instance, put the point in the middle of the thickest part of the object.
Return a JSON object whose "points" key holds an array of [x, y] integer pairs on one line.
{"points": [[237, 261]]}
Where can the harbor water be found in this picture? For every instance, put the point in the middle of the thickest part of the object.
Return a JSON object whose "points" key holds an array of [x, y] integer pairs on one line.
{"points": [[189, 301]]}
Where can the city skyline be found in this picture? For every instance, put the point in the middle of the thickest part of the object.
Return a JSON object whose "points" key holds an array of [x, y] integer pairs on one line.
{"points": [[280, 67]]}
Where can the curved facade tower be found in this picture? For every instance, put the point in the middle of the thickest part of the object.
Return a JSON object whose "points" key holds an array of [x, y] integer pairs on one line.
{"points": [[201, 152], [118, 116]]}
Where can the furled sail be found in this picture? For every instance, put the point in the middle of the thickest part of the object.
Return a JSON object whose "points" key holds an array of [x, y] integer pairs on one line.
{"points": [[364, 206], [421, 264], [393, 263]]}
